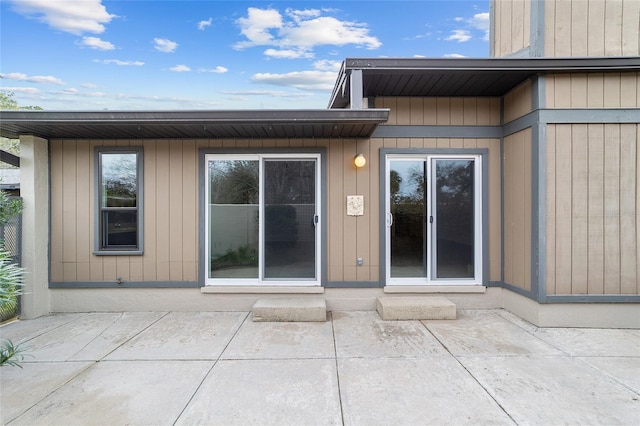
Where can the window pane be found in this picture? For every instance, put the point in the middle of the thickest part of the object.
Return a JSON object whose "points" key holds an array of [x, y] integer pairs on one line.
{"points": [[290, 209], [407, 202], [455, 218], [119, 179], [120, 229], [233, 218]]}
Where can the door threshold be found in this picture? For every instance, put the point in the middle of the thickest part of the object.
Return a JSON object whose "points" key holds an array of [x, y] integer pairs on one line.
{"points": [[435, 289], [246, 289]]}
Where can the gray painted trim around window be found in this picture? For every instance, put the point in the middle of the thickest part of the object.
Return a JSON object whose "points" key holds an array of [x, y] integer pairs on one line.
{"points": [[202, 172], [138, 150], [483, 152]]}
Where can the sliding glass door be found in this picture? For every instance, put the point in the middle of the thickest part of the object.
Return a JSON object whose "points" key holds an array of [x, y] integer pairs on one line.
{"points": [[433, 219], [262, 219]]}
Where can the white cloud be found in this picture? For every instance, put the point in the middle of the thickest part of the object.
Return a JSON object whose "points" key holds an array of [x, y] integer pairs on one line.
{"points": [[119, 62], [327, 65], [204, 24], [23, 90], [270, 93], [453, 55], [71, 16], [89, 85], [44, 79], [164, 45], [295, 35], [481, 21], [305, 80], [217, 70], [459, 35], [288, 54], [257, 25], [180, 68], [96, 43]]}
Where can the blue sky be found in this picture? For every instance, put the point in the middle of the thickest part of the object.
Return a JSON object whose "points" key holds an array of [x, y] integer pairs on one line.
{"points": [[178, 55]]}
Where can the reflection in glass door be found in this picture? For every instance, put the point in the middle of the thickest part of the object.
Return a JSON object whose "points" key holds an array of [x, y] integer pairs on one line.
{"points": [[408, 213], [262, 219], [433, 214], [289, 219], [454, 218]]}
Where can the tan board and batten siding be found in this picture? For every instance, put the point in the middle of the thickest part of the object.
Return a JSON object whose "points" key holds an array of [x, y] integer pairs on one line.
{"points": [[593, 200], [591, 28], [575, 28], [171, 197], [611, 90], [517, 209], [512, 26]]}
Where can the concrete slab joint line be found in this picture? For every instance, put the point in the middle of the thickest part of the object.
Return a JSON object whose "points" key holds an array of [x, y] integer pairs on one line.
{"points": [[290, 309], [416, 308]]}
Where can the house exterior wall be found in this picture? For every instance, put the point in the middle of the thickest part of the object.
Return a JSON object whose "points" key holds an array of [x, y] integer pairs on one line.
{"points": [[171, 197], [611, 90], [441, 111], [565, 28], [593, 199], [517, 102], [517, 209], [591, 28], [511, 30]]}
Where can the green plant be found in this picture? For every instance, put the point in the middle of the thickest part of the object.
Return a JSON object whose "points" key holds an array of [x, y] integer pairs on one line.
{"points": [[11, 354], [242, 256], [10, 285], [10, 282]]}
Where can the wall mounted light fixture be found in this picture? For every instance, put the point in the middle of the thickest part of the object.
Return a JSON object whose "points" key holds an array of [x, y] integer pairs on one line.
{"points": [[359, 161]]}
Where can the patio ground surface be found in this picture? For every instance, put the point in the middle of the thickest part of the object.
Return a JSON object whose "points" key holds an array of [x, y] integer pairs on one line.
{"points": [[221, 368]]}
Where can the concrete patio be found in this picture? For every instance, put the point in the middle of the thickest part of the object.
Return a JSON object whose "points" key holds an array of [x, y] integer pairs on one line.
{"points": [[221, 368]]}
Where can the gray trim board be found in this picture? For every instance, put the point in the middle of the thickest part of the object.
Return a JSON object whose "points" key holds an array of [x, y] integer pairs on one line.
{"points": [[593, 298], [520, 123], [590, 115], [536, 29], [209, 124], [125, 284], [356, 89], [387, 131], [9, 158]]}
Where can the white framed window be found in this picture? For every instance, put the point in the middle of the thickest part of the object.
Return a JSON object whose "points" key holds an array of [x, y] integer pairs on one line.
{"points": [[433, 219], [262, 222]]}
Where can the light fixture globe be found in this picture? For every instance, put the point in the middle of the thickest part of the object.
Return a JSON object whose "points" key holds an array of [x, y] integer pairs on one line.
{"points": [[359, 161]]}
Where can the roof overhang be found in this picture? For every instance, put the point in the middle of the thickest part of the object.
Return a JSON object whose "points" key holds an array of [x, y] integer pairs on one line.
{"points": [[245, 124], [458, 77]]}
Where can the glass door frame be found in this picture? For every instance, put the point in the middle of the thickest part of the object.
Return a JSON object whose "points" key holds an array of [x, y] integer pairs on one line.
{"points": [[480, 268], [261, 157]]}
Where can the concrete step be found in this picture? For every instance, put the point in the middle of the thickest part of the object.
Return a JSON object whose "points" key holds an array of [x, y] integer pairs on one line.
{"points": [[415, 308], [290, 309]]}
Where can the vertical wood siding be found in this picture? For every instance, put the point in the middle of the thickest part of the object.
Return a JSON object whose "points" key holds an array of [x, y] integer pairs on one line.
{"points": [[517, 209], [611, 90], [512, 30], [171, 202], [593, 200], [517, 102], [441, 111], [591, 28]]}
